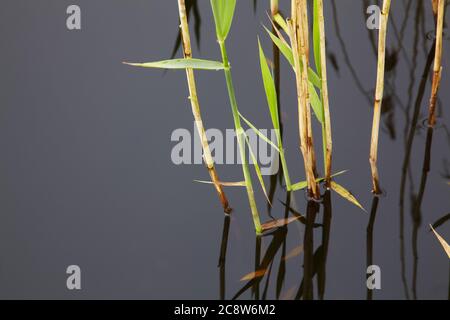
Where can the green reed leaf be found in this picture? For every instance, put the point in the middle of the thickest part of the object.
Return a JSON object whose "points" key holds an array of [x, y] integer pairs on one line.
{"points": [[257, 169], [316, 37], [283, 47], [223, 11], [259, 133], [303, 184], [316, 103], [269, 88], [287, 53], [181, 64]]}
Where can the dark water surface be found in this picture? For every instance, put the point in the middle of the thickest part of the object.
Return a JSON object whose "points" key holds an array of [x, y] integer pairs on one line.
{"points": [[86, 176]]}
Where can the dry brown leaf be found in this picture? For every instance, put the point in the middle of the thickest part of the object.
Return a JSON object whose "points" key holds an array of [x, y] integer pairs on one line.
{"points": [[277, 223], [254, 275], [443, 243], [225, 184], [346, 194], [294, 252]]}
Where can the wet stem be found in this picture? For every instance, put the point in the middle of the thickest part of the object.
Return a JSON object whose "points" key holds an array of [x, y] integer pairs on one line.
{"points": [[240, 135]]}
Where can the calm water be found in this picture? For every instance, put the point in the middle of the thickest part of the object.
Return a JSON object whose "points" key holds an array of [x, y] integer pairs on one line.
{"points": [[87, 179]]}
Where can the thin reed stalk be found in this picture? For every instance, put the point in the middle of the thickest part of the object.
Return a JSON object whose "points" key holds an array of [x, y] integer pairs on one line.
{"points": [[327, 138], [437, 69], [298, 34], [195, 105], [379, 96]]}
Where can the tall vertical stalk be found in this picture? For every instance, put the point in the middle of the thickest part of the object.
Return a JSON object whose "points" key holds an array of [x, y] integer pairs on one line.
{"points": [[437, 69], [207, 157], [379, 96], [240, 135], [327, 139], [298, 34]]}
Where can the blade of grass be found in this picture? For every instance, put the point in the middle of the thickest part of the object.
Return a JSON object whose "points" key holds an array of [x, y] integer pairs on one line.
{"points": [[316, 36], [286, 50], [181, 64], [272, 101], [257, 169], [345, 194], [223, 11], [259, 133], [303, 184], [443, 243]]}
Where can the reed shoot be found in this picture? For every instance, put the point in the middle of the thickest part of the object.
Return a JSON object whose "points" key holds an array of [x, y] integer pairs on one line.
{"points": [[223, 11]]}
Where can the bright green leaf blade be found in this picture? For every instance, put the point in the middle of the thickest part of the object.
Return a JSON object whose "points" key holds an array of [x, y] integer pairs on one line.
{"points": [[259, 133], [345, 194], [181, 64], [303, 184], [316, 103], [316, 37], [443, 243], [283, 47], [223, 11], [269, 87], [299, 185], [257, 169], [314, 79]]}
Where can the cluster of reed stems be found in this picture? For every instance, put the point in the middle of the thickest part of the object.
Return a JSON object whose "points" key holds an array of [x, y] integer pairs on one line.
{"points": [[299, 37], [308, 81]]}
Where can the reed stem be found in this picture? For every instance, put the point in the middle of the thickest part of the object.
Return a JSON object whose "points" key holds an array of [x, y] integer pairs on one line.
{"points": [[298, 34], [195, 105], [437, 69], [240, 135], [326, 134], [379, 96]]}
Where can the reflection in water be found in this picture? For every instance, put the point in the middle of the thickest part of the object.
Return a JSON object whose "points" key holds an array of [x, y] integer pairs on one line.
{"points": [[326, 228], [223, 256], [406, 169], [278, 237], [416, 212], [410, 104], [369, 238], [191, 7], [308, 243]]}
